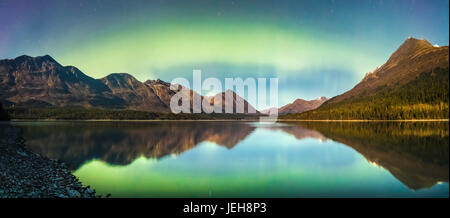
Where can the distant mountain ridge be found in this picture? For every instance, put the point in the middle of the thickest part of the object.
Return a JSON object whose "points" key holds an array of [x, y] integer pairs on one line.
{"points": [[298, 106], [42, 82]]}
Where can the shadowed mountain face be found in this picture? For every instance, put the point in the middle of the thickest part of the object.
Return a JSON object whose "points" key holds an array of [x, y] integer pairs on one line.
{"points": [[42, 82], [3, 114], [412, 58], [417, 153], [120, 143]]}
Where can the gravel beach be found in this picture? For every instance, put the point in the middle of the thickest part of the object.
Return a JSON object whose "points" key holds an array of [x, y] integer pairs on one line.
{"points": [[24, 174]]}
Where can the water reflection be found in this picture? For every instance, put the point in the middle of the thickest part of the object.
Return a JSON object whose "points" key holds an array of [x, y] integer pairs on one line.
{"points": [[119, 143], [417, 154]]}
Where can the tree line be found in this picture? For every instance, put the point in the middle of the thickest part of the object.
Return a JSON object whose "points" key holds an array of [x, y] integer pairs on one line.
{"points": [[71, 113]]}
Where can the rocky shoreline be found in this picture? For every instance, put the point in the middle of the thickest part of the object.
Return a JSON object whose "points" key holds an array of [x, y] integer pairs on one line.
{"points": [[25, 174]]}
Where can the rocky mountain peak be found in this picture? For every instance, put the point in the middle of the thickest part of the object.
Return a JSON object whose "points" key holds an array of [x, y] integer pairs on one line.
{"points": [[410, 47], [40, 63], [157, 81], [121, 80], [412, 58]]}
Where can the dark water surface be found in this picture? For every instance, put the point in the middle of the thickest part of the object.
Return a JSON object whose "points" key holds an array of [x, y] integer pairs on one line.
{"points": [[245, 159]]}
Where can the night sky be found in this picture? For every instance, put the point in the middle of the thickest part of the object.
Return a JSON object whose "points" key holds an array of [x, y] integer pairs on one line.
{"points": [[315, 48]]}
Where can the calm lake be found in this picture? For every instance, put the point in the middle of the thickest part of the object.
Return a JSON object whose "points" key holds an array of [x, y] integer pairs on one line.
{"points": [[250, 159]]}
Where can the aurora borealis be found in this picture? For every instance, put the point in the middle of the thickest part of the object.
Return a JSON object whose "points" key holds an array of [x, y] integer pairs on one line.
{"points": [[315, 48]]}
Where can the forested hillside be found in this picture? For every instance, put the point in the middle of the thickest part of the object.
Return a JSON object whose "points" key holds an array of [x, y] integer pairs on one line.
{"points": [[426, 97]]}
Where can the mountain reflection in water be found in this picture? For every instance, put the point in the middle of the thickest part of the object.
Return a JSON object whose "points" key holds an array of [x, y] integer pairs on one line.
{"points": [[415, 153], [119, 143]]}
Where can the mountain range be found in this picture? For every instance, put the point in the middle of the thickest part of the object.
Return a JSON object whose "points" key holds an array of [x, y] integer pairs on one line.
{"points": [[412, 84], [42, 82]]}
